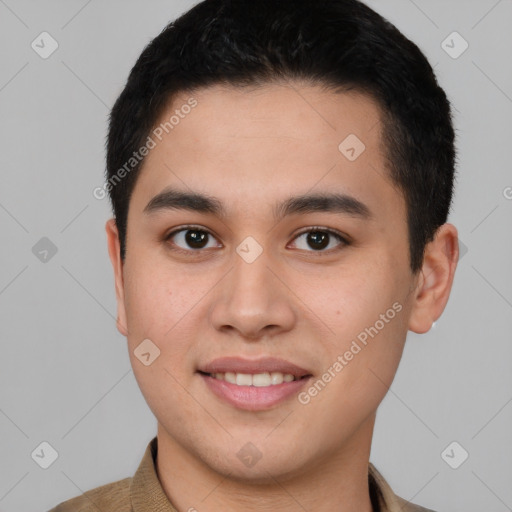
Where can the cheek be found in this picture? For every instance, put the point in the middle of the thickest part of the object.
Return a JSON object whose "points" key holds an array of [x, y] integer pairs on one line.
{"points": [[156, 300], [358, 375], [350, 299], [152, 311], [158, 306], [366, 313]]}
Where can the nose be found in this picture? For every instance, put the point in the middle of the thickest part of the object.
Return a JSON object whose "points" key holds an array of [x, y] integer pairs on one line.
{"points": [[253, 300]]}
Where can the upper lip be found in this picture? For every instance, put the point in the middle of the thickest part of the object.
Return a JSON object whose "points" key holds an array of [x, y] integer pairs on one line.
{"points": [[248, 366]]}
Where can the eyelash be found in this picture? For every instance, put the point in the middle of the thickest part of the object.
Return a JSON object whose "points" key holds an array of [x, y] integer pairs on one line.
{"points": [[341, 238]]}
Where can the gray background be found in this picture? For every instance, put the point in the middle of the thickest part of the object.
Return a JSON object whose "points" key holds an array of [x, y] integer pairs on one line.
{"points": [[65, 376]]}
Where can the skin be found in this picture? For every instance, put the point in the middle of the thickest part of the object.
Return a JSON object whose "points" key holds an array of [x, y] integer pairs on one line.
{"points": [[253, 148]]}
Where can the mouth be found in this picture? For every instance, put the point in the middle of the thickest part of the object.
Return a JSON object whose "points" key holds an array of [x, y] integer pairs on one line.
{"points": [[253, 385], [260, 380]]}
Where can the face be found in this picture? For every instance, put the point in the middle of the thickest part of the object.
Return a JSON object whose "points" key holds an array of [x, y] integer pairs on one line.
{"points": [[290, 259]]}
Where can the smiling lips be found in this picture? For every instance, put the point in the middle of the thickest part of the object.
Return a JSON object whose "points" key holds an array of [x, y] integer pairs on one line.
{"points": [[253, 385]]}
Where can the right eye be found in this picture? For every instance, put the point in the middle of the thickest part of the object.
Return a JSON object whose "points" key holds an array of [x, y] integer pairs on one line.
{"points": [[190, 239]]}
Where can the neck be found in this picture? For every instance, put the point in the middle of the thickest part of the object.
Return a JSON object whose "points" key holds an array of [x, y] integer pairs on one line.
{"points": [[337, 481]]}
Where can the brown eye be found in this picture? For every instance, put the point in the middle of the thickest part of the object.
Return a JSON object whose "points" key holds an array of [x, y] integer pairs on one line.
{"points": [[191, 239], [317, 240]]}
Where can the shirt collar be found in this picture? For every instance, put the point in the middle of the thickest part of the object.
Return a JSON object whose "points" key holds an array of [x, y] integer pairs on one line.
{"points": [[382, 496], [147, 494]]}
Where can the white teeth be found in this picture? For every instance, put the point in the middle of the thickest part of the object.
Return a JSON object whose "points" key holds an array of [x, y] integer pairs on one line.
{"points": [[277, 378], [258, 379], [243, 379], [261, 380], [228, 377]]}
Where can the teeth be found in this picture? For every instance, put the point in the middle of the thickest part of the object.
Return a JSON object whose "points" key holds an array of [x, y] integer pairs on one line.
{"points": [[261, 380], [228, 377], [258, 379], [277, 378], [243, 379]]}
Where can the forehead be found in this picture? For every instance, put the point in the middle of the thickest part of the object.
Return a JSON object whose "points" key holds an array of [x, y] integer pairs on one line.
{"points": [[252, 146]]}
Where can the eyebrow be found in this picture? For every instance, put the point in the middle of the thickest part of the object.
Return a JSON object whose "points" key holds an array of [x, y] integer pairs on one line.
{"points": [[173, 199]]}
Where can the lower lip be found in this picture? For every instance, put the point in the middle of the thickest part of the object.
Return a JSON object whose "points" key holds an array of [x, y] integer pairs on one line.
{"points": [[253, 398]]}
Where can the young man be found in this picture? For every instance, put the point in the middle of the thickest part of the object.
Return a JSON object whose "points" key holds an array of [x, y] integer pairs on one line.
{"points": [[281, 172]]}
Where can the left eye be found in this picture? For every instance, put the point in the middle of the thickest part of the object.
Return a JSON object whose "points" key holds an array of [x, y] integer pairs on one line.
{"points": [[319, 240], [192, 238]]}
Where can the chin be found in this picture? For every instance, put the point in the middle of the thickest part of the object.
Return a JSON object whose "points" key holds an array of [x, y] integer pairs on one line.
{"points": [[259, 474], [242, 461]]}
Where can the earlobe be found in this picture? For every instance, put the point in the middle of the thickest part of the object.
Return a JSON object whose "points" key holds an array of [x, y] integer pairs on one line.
{"points": [[435, 279], [117, 265]]}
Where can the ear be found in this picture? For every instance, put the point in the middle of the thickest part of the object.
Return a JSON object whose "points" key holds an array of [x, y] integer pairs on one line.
{"points": [[435, 280], [114, 251]]}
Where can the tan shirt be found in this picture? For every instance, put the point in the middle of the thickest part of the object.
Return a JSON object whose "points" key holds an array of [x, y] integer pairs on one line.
{"points": [[144, 493]]}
